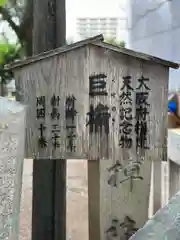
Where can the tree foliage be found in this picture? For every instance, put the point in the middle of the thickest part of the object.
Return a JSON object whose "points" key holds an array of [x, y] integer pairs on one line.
{"points": [[113, 41], [18, 14], [8, 53]]}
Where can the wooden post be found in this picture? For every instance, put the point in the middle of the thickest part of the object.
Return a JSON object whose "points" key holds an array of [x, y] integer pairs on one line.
{"points": [[49, 177], [157, 184], [94, 199]]}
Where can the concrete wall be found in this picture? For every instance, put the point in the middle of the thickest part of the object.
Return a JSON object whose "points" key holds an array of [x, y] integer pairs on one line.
{"points": [[154, 28], [165, 224]]}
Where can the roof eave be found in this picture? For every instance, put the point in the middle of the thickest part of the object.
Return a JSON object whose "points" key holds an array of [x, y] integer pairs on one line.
{"points": [[96, 41], [138, 55], [54, 52]]}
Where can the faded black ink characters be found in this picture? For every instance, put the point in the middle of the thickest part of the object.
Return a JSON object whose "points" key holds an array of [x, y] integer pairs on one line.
{"points": [[40, 107], [71, 141], [125, 114], [129, 227], [42, 140], [55, 136], [141, 131], [56, 140], [112, 231], [99, 115], [143, 83], [126, 228], [55, 116], [55, 100], [71, 113], [125, 141], [98, 118], [125, 98], [40, 114], [125, 127], [70, 108], [142, 98], [127, 84], [113, 171], [142, 112], [97, 85]]}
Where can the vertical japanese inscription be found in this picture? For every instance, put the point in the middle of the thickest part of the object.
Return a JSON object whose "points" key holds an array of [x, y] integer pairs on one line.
{"points": [[55, 115], [142, 111], [125, 114], [126, 228], [40, 107], [42, 140], [71, 113], [40, 116], [97, 85], [98, 116]]}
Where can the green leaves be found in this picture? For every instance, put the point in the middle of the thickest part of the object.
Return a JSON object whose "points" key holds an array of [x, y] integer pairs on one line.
{"points": [[2, 2], [3, 50], [8, 53], [115, 43], [7, 50]]}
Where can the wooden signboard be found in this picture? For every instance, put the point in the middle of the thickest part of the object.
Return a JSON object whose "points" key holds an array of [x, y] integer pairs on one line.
{"points": [[137, 103], [83, 104], [96, 101], [56, 92]]}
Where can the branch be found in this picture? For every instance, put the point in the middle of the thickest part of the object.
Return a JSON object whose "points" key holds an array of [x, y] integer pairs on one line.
{"points": [[7, 17]]}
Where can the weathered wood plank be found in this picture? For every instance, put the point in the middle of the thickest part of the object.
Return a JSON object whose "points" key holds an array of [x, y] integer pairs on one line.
{"points": [[12, 132], [157, 186], [94, 199], [121, 200], [63, 76], [97, 77], [115, 68]]}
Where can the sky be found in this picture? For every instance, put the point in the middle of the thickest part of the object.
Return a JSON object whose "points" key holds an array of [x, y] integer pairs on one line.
{"points": [[85, 8]]}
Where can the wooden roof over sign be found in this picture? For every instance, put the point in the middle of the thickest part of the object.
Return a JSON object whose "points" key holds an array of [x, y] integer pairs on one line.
{"points": [[97, 41]]}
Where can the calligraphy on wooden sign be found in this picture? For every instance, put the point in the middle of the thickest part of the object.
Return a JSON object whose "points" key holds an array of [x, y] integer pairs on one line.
{"points": [[55, 115], [98, 117], [142, 112], [70, 123], [40, 114], [125, 114], [119, 174], [70, 116], [123, 229]]}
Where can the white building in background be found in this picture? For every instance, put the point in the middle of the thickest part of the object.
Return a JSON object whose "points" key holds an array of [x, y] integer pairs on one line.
{"points": [[92, 17], [88, 27], [154, 28]]}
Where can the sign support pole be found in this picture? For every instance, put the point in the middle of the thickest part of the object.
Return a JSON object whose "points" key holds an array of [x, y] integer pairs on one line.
{"points": [[49, 176]]}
